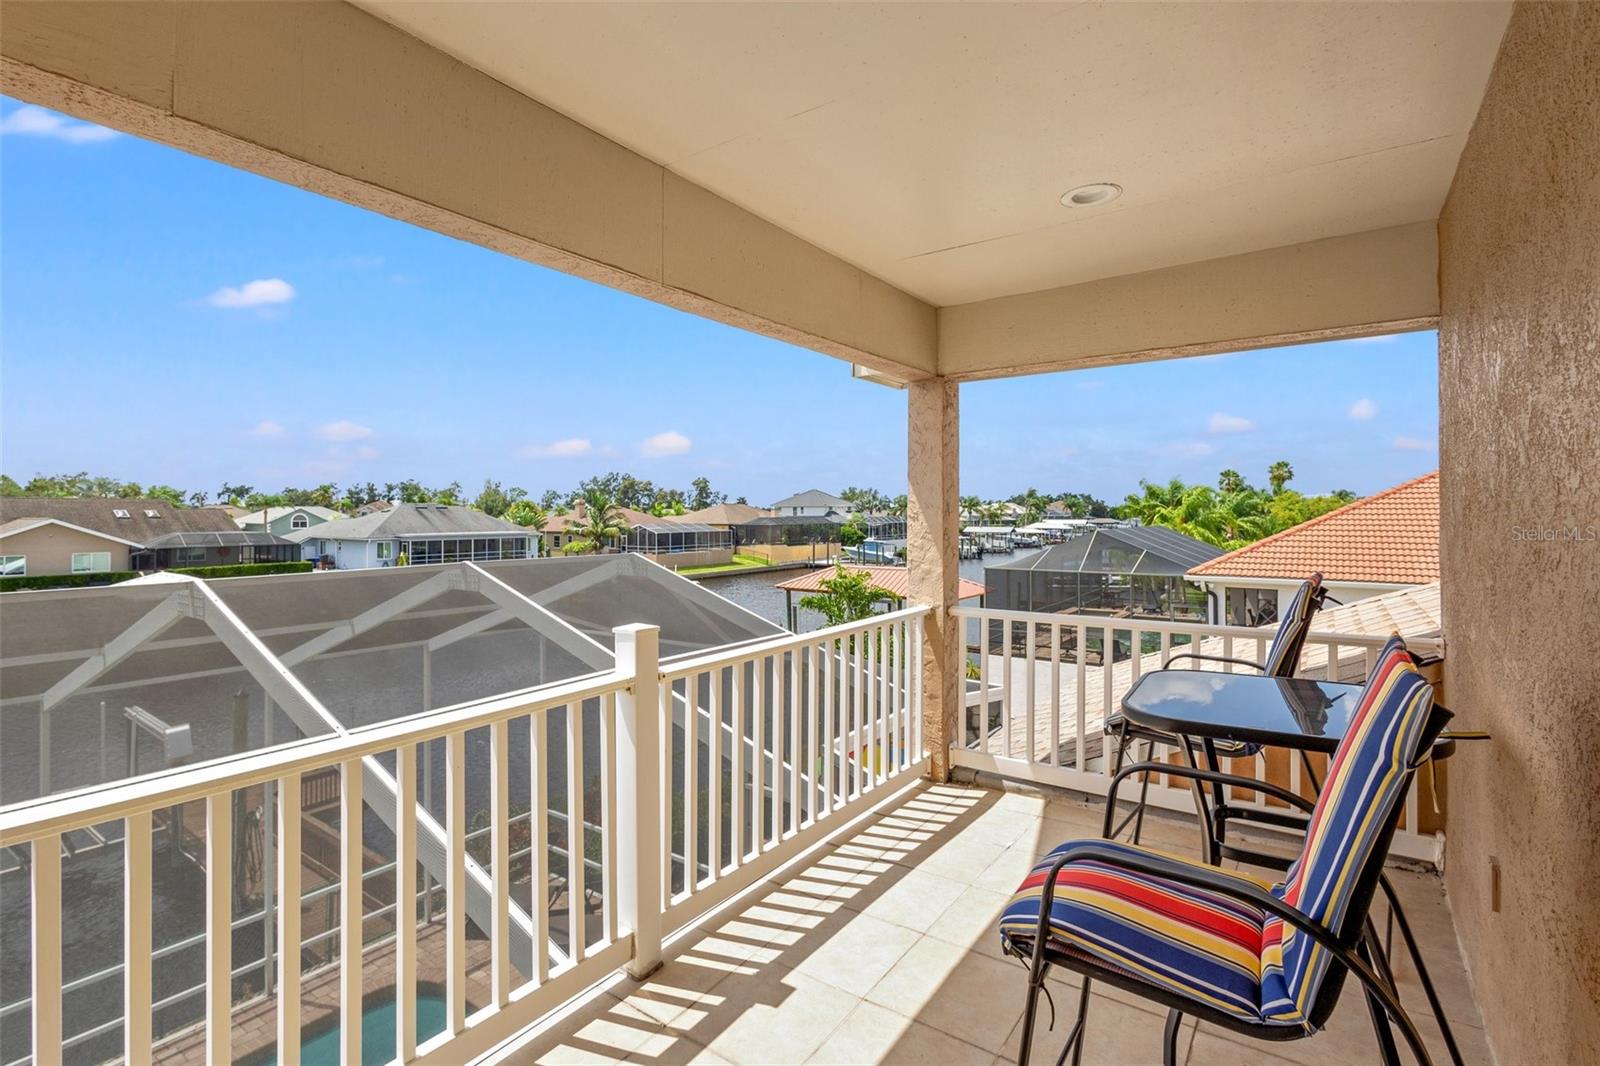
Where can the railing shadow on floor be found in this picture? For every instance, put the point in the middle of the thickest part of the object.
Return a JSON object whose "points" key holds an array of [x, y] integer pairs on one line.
{"points": [[736, 960]]}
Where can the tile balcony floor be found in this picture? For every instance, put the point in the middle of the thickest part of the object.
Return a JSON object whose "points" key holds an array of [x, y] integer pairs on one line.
{"points": [[882, 948]]}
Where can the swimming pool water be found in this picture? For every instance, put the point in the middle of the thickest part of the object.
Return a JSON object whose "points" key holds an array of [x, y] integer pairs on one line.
{"points": [[377, 1034]]}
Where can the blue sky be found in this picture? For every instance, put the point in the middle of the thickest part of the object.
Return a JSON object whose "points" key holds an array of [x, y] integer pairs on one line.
{"points": [[167, 319]]}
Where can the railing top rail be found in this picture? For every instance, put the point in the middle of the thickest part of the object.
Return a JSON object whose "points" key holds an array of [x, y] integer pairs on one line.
{"points": [[744, 653], [30, 819], [1157, 625]]}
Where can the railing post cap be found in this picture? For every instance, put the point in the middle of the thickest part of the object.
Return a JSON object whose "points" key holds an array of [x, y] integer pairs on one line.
{"points": [[636, 627]]}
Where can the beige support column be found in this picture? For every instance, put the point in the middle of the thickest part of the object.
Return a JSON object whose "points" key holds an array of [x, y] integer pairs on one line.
{"points": [[933, 531]]}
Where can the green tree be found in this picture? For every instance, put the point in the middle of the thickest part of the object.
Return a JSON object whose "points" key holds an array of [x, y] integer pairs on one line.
{"points": [[166, 492], [703, 496], [493, 500], [1230, 481], [230, 493], [847, 596], [852, 532], [899, 505], [450, 495], [601, 524], [527, 514], [9, 486], [1279, 474]]}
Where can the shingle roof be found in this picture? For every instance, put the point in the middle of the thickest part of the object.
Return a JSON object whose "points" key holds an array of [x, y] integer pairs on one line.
{"points": [[409, 520], [327, 514], [895, 580], [725, 514], [99, 514], [813, 498], [1389, 538]]}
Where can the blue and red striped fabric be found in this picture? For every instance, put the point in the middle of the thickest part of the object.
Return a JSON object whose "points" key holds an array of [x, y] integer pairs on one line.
{"points": [[1284, 655], [1219, 951]]}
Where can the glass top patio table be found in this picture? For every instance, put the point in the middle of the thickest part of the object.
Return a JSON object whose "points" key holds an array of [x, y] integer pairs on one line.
{"points": [[1287, 712], [1291, 712]]}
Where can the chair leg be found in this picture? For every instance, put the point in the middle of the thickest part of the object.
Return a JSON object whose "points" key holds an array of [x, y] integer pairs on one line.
{"points": [[1389, 1054], [1169, 1039], [1034, 988], [1144, 792], [1075, 1038]]}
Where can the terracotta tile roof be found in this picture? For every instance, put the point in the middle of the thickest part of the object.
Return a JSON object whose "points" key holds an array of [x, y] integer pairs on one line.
{"points": [[895, 580], [1392, 538]]}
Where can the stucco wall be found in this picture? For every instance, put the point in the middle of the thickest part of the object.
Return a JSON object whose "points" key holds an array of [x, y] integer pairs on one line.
{"points": [[49, 549], [1519, 374]]}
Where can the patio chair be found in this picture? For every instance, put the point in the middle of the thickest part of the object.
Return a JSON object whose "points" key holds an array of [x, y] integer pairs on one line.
{"points": [[1283, 659], [1264, 960]]}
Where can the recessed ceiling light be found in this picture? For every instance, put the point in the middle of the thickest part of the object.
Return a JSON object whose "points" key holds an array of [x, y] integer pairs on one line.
{"points": [[1100, 192]]}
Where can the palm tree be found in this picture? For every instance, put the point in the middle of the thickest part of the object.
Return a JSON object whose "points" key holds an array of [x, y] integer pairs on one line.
{"points": [[1153, 501], [1230, 481], [1279, 474], [601, 523]]}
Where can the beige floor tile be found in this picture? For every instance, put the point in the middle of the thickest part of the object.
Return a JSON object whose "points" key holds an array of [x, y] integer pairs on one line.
{"points": [[858, 953], [961, 860], [971, 921], [1115, 1032], [958, 992], [911, 898], [872, 1034], [786, 1022]]}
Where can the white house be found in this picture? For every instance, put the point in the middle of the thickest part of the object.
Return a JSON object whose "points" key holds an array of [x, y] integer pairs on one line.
{"points": [[414, 533], [1375, 545], [812, 503]]}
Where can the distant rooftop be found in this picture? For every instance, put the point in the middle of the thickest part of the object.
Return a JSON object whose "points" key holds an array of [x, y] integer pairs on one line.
{"points": [[895, 580], [410, 520], [327, 514], [1150, 550], [1389, 538], [130, 519], [813, 498]]}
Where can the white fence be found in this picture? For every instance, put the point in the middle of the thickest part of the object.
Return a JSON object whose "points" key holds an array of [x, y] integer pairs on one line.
{"points": [[714, 771], [1047, 683]]}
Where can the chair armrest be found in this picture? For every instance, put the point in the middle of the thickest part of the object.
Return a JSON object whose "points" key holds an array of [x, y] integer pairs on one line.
{"points": [[1208, 878], [1264, 788], [1212, 659]]}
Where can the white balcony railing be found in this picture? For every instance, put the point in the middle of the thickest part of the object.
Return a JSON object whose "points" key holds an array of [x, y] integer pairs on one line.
{"points": [[1047, 682], [714, 770]]}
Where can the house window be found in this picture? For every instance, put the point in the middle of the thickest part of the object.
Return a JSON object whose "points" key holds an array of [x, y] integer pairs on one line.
{"points": [[190, 556], [13, 565], [299, 521], [90, 562], [385, 549]]}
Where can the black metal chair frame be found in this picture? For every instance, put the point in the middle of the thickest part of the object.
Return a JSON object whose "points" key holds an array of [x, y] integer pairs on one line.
{"points": [[1354, 948]]}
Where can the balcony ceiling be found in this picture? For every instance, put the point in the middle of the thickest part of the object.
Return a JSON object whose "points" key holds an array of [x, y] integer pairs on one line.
{"points": [[930, 144]]}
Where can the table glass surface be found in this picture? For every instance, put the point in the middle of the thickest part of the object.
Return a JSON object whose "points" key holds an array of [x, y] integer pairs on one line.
{"points": [[1290, 712]]}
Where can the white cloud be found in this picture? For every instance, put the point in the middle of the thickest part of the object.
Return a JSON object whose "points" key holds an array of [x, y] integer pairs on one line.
{"points": [[570, 448], [1363, 409], [1221, 423], [1412, 444], [664, 444], [1187, 447], [259, 293], [344, 430], [366, 451], [266, 428], [31, 121]]}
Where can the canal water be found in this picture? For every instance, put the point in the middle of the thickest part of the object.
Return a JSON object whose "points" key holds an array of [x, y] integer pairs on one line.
{"points": [[760, 594]]}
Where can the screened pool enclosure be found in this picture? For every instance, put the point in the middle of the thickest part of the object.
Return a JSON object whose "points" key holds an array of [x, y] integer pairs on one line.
{"points": [[130, 681], [1127, 571]]}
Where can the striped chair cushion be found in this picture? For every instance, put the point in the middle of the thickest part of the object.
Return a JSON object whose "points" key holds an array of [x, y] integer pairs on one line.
{"points": [[1222, 952], [1284, 655], [1365, 784], [1191, 941]]}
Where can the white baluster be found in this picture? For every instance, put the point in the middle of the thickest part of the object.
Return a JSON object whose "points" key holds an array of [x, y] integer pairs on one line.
{"points": [[500, 863], [455, 904], [136, 923], [219, 928], [46, 884], [576, 834], [289, 860], [351, 818], [405, 903]]}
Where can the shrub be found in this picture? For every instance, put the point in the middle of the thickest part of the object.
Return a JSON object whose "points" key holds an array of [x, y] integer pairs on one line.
{"points": [[245, 569], [64, 581]]}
